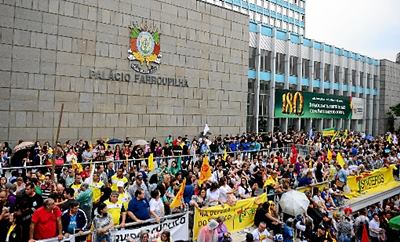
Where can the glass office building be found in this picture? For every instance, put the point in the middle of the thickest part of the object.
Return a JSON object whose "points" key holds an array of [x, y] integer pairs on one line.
{"points": [[282, 58]]}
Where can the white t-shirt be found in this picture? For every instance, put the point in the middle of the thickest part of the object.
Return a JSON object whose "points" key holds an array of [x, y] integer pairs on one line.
{"points": [[242, 191], [373, 225], [157, 207], [223, 193], [213, 196], [260, 237]]}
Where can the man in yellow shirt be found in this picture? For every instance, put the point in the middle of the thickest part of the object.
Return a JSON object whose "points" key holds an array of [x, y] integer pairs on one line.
{"points": [[77, 184], [116, 209], [118, 177], [96, 187], [123, 196]]}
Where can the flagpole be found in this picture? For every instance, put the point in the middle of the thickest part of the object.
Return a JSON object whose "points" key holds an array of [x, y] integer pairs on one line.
{"points": [[53, 160]]}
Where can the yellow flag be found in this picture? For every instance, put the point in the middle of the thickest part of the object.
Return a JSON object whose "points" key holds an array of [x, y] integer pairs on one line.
{"points": [[76, 166], [105, 143], [346, 133], [177, 201], [225, 155], [205, 172], [151, 162], [329, 156], [340, 159], [389, 138], [270, 181]]}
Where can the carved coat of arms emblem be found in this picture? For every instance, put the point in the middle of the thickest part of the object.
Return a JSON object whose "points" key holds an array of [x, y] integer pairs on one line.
{"points": [[144, 49]]}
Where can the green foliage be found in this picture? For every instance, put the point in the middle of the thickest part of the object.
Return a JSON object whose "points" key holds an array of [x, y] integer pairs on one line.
{"points": [[395, 109], [135, 31], [156, 37]]}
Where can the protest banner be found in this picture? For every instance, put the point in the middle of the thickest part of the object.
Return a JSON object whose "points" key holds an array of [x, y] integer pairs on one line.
{"points": [[237, 217], [370, 182], [298, 104], [178, 226]]}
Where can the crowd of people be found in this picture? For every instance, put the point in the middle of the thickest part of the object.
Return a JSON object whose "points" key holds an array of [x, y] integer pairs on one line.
{"points": [[102, 186]]}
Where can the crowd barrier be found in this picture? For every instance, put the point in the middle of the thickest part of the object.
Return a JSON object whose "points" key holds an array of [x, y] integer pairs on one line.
{"points": [[303, 150], [177, 224]]}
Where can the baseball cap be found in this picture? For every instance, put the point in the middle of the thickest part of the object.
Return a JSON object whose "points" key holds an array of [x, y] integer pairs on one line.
{"points": [[139, 176], [120, 184]]}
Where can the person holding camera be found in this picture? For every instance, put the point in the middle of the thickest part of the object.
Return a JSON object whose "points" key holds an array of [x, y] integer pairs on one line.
{"points": [[223, 234]]}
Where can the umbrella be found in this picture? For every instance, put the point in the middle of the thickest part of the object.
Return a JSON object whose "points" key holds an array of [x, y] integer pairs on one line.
{"points": [[140, 142], [369, 138], [394, 223], [23, 145], [294, 203], [114, 141]]}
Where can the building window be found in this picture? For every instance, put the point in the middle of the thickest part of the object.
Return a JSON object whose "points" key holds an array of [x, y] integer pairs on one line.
{"points": [[252, 58], [284, 25], [279, 9], [265, 60], [272, 7], [369, 80], [250, 104], [327, 75], [346, 75], [375, 81], [265, 19], [353, 76], [336, 74], [271, 21], [317, 70], [293, 66], [305, 66], [264, 99], [280, 63], [361, 79]]}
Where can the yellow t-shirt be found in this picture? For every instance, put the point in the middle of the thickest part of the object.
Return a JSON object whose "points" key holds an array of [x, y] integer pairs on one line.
{"points": [[115, 180], [124, 198], [115, 209], [96, 189], [76, 189]]}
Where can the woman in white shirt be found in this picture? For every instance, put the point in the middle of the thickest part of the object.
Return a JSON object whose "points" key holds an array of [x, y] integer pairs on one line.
{"points": [[213, 195], [226, 193], [244, 189], [156, 205]]}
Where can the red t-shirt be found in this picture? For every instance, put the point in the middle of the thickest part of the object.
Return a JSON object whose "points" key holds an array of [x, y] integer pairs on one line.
{"points": [[45, 223]]}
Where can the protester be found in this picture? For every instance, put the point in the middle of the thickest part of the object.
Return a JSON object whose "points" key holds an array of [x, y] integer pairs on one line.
{"points": [[74, 221], [209, 233], [116, 209], [223, 234], [139, 208], [102, 223], [46, 222], [261, 234], [165, 237]]}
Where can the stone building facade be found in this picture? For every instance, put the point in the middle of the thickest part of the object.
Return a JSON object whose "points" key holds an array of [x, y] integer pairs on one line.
{"points": [[389, 90], [55, 52]]}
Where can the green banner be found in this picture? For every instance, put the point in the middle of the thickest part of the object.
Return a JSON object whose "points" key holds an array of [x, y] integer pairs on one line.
{"points": [[297, 104]]}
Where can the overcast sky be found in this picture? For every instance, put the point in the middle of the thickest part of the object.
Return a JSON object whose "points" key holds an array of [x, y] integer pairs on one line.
{"points": [[368, 27]]}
